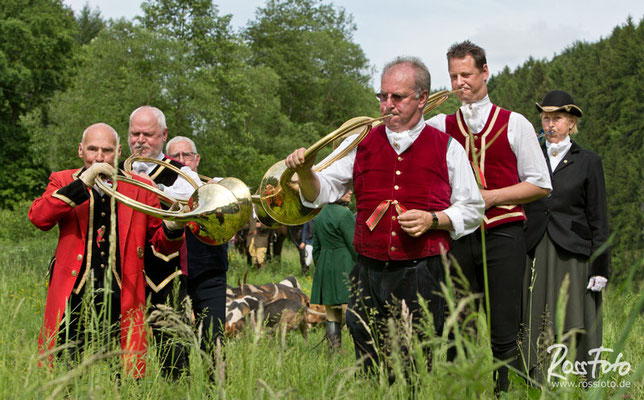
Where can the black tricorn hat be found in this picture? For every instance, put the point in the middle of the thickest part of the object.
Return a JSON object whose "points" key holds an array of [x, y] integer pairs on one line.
{"points": [[558, 100]]}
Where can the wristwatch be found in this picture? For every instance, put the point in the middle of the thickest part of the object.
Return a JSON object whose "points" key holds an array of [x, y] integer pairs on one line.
{"points": [[434, 220]]}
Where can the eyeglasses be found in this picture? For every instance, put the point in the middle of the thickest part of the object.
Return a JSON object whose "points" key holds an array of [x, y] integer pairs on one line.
{"points": [[395, 97], [188, 156]]}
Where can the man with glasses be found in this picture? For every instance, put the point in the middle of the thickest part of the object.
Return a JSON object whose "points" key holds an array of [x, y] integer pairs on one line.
{"points": [[147, 133], [414, 189], [504, 149], [207, 265]]}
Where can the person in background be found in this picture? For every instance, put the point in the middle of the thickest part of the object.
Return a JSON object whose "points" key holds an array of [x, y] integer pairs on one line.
{"points": [[82, 262], [147, 134], [207, 265], [414, 189], [564, 232], [306, 245], [258, 243], [334, 258], [505, 154]]}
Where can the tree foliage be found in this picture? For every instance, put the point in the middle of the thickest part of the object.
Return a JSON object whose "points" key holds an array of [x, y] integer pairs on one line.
{"points": [[36, 48]]}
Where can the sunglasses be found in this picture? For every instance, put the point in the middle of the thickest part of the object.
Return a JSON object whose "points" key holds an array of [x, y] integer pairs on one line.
{"points": [[395, 97]]}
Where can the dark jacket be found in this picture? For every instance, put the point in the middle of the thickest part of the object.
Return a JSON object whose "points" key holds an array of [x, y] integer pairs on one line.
{"points": [[575, 212]]}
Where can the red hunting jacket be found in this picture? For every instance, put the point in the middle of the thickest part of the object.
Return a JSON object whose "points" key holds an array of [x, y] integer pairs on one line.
{"points": [[136, 230]]}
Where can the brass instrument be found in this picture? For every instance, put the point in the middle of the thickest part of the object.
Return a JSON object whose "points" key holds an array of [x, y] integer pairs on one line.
{"points": [[217, 210], [278, 202]]}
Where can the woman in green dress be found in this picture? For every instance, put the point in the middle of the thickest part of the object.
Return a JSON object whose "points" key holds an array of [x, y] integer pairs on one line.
{"points": [[334, 257]]}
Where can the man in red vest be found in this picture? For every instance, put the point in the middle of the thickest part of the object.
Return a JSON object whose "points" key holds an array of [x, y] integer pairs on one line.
{"points": [[83, 215], [503, 150], [414, 188]]}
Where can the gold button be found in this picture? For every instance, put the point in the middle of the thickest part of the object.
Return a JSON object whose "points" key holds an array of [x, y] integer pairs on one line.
{"points": [[79, 257], [393, 218], [102, 253], [399, 158], [565, 161], [102, 214], [393, 233], [102, 265], [74, 273], [397, 172], [393, 248], [476, 138], [554, 153], [396, 187], [103, 200]]}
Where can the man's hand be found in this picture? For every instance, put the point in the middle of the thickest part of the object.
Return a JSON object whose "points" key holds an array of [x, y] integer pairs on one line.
{"points": [[89, 175], [415, 222], [146, 176], [175, 225], [296, 161], [597, 283], [490, 198], [308, 182]]}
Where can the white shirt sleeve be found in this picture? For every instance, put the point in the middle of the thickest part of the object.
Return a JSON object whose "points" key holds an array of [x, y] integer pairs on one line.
{"points": [[181, 189], [336, 179], [467, 207], [438, 122], [531, 164]]}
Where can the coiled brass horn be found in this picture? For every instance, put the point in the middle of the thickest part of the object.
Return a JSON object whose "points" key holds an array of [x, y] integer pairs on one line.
{"points": [[217, 210], [278, 202]]}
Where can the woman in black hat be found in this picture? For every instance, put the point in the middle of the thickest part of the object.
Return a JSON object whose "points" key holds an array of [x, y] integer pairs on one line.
{"points": [[563, 234]]}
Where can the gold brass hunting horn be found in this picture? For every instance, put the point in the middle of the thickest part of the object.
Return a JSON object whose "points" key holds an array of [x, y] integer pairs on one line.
{"points": [[217, 210]]}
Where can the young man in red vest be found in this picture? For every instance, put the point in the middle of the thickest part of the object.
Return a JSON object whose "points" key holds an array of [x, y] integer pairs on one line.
{"points": [[503, 149], [414, 188], [82, 213]]}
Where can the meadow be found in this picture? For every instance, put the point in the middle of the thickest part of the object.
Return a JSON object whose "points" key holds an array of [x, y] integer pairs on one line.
{"points": [[265, 365]]}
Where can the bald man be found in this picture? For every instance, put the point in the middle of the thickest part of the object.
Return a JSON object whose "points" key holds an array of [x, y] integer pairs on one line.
{"points": [[82, 261]]}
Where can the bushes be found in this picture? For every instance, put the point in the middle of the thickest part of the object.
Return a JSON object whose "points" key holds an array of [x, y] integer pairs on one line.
{"points": [[16, 226]]}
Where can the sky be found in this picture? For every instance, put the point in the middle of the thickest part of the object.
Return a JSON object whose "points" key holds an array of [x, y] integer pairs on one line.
{"points": [[510, 31]]}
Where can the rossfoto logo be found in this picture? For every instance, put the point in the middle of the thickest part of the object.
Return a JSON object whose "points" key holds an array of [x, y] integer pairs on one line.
{"points": [[561, 368]]}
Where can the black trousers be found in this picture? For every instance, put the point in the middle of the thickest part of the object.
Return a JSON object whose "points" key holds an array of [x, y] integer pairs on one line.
{"points": [[506, 252], [208, 293], [173, 354], [375, 285]]}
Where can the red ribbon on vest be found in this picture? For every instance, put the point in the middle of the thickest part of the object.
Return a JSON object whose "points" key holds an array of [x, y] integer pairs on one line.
{"points": [[380, 211]]}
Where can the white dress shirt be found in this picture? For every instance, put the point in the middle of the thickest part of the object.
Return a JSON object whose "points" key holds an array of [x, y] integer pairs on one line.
{"points": [[466, 204], [180, 189], [557, 151], [531, 164]]}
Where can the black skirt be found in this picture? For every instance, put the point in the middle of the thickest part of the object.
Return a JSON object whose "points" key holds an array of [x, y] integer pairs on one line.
{"points": [[582, 322]]}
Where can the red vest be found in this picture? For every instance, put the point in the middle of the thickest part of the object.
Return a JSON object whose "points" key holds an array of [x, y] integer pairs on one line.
{"points": [[416, 179], [497, 163]]}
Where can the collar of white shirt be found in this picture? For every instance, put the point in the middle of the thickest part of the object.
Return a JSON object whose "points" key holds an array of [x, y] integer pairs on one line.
{"points": [[476, 114], [400, 141]]}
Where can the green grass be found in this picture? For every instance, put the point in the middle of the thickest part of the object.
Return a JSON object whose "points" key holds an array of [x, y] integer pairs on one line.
{"points": [[270, 365]]}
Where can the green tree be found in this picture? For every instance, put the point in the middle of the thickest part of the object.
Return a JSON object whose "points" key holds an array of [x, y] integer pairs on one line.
{"points": [[89, 23], [36, 49], [324, 76]]}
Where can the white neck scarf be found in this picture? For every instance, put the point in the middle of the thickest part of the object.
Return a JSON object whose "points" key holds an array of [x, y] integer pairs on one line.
{"points": [[476, 114], [400, 141], [557, 151]]}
